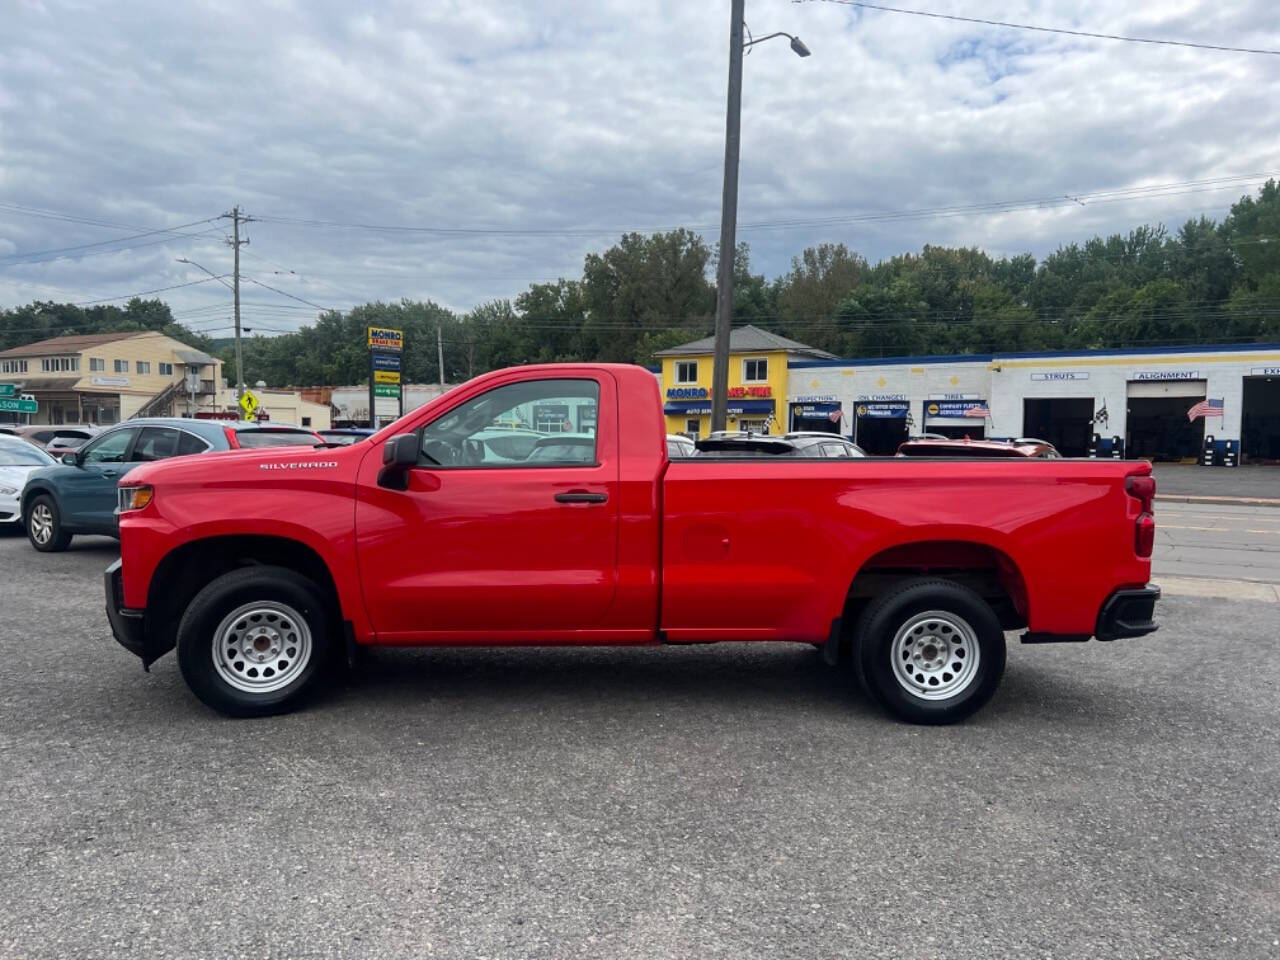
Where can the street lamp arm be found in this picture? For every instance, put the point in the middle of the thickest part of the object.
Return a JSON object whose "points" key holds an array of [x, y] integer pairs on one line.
{"points": [[796, 43], [221, 280]]}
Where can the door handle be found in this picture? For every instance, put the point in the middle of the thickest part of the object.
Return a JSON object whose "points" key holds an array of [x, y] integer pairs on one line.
{"points": [[581, 496], [110, 473]]}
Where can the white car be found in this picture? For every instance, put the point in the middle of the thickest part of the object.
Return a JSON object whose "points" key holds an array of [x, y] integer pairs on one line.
{"points": [[18, 460]]}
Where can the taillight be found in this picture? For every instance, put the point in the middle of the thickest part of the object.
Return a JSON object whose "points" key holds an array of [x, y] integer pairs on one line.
{"points": [[1142, 489], [1144, 535], [231, 438]]}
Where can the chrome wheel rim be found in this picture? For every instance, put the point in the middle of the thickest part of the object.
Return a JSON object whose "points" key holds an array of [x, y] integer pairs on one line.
{"points": [[41, 521], [935, 655], [261, 647]]}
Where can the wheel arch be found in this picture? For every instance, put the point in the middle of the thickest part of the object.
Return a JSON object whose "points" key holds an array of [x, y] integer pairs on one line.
{"points": [[985, 568], [188, 567]]}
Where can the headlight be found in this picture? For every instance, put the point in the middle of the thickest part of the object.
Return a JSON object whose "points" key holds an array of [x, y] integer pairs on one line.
{"points": [[133, 498], [7, 491]]}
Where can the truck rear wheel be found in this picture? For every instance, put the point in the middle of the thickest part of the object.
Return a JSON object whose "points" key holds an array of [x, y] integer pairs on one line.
{"points": [[254, 641], [929, 651]]}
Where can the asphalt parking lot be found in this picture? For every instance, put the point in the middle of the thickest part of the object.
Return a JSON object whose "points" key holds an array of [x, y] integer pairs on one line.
{"points": [[1114, 800]]}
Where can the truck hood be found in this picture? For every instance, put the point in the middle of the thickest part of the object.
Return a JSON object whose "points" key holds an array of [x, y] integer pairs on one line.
{"points": [[271, 462]]}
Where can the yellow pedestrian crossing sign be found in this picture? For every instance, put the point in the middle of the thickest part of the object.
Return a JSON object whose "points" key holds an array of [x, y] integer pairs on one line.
{"points": [[248, 403]]}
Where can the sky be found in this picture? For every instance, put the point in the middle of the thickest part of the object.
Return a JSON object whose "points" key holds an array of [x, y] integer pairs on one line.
{"points": [[460, 151]]}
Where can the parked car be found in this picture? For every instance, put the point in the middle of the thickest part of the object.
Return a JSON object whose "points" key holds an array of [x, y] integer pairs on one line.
{"points": [[345, 436], [77, 495], [804, 445], [933, 446], [18, 460], [907, 571], [679, 447], [42, 434], [62, 445]]}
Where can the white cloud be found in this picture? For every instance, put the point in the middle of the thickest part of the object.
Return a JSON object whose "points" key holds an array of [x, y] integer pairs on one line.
{"points": [[605, 115]]}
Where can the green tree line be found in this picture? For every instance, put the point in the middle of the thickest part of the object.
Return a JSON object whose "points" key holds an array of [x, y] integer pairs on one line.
{"points": [[1208, 281]]}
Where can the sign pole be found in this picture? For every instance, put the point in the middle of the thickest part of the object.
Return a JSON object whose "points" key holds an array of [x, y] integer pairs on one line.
{"points": [[373, 420]]}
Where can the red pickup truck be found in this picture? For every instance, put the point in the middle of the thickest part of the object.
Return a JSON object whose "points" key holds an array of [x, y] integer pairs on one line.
{"points": [[263, 567]]}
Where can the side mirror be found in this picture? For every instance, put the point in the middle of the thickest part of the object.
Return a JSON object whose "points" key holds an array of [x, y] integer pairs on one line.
{"points": [[399, 454], [71, 459]]}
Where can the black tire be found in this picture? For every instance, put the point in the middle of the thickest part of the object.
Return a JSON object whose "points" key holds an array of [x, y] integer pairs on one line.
{"points": [[57, 539], [291, 596], [942, 610]]}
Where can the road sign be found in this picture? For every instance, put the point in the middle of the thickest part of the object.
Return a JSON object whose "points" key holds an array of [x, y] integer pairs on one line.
{"points": [[385, 338], [386, 361], [248, 403], [17, 405], [386, 376], [8, 390], [386, 389]]}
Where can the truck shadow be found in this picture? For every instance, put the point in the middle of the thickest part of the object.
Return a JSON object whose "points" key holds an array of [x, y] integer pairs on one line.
{"points": [[720, 679]]}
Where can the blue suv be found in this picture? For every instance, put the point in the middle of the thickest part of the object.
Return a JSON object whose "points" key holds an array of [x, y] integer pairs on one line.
{"points": [[78, 495]]}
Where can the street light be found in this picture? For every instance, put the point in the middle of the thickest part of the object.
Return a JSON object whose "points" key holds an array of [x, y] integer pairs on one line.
{"points": [[729, 209]]}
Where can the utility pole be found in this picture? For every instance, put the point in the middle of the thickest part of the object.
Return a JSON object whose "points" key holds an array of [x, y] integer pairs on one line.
{"points": [[237, 218], [728, 224], [440, 354]]}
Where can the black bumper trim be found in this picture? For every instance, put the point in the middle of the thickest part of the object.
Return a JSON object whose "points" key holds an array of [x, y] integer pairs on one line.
{"points": [[128, 626], [1128, 613]]}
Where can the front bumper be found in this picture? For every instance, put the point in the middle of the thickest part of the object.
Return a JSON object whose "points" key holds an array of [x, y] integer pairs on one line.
{"points": [[128, 626], [1128, 613]]}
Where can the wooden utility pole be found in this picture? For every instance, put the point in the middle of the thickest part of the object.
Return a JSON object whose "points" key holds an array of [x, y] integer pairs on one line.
{"points": [[728, 224], [237, 218]]}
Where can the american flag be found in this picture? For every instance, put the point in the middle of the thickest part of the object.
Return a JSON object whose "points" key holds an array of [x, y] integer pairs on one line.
{"points": [[834, 416], [978, 411], [1205, 408]]}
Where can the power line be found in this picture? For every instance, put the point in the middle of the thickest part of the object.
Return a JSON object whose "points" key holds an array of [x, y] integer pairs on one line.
{"points": [[142, 293], [1023, 26], [289, 295], [1066, 199], [20, 257]]}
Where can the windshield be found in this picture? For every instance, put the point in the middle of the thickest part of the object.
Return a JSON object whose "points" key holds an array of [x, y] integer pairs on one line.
{"points": [[14, 455], [256, 439]]}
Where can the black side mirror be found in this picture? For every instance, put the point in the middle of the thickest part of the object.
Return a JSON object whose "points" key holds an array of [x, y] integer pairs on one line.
{"points": [[399, 454]]}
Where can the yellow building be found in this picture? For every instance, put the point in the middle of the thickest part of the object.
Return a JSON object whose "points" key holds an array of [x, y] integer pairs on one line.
{"points": [[103, 378], [757, 382]]}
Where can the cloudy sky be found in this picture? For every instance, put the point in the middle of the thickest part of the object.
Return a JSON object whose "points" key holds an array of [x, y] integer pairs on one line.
{"points": [[492, 144]]}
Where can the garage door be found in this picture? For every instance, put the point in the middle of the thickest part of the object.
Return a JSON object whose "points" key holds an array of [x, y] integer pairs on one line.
{"points": [[1157, 425]]}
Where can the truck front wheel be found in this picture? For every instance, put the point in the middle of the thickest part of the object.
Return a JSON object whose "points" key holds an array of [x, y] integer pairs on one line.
{"points": [[929, 651], [254, 641]]}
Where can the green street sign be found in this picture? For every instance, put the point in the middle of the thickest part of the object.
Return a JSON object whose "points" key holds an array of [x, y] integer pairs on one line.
{"points": [[8, 390], [383, 390], [13, 405]]}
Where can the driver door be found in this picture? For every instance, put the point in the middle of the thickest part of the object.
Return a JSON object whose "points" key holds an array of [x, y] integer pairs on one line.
{"points": [[485, 546], [88, 490]]}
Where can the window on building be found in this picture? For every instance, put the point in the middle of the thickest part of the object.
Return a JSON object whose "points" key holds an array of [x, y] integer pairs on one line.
{"points": [[692, 428], [686, 371], [143, 366], [755, 370], [97, 364], [120, 366], [13, 366], [59, 364], [752, 426], [306, 421], [166, 369]]}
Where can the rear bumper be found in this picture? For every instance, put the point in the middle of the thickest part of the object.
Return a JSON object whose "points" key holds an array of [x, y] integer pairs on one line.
{"points": [[128, 626], [1128, 613]]}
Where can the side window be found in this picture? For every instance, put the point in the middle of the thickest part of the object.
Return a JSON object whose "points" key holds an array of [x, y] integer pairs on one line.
{"points": [[189, 443], [534, 423], [109, 448], [155, 443], [835, 450]]}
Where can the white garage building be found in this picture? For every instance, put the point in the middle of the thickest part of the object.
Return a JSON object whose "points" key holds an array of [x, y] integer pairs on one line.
{"points": [[1102, 402]]}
